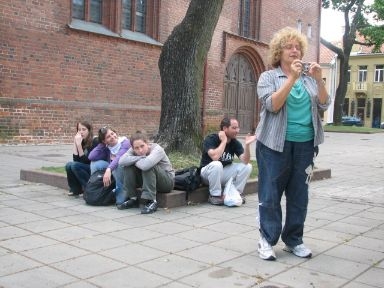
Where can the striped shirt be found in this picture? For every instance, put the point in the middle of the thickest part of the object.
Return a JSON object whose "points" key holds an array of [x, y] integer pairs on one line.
{"points": [[272, 127]]}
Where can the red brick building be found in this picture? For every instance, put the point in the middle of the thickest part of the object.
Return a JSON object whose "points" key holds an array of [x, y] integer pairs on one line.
{"points": [[62, 61]]}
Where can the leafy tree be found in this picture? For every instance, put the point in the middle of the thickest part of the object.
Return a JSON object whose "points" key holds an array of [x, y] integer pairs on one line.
{"points": [[356, 16], [181, 66]]}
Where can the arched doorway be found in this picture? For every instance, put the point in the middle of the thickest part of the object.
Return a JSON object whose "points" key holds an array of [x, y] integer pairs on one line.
{"points": [[240, 92]]}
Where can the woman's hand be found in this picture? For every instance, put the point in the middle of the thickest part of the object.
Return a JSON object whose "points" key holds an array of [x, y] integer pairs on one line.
{"points": [[315, 71], [78, 139], [107, 177]]}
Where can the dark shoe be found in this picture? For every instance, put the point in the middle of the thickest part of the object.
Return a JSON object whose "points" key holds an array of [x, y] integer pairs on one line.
{"points": [[243, 197], [216, 200], [130, 203], [149, 208], [70, 193]]}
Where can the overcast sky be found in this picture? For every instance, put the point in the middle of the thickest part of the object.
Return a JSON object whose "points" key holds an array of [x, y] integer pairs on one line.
{"points": [[332, 25]]}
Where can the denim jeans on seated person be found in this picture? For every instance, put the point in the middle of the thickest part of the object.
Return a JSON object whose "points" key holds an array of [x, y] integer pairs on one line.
{"points": [[77, 176], [288, 171], [117, 174]]}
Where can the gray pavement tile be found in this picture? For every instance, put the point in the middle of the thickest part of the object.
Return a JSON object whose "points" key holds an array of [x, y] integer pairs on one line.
{"points": [[130, 277], [253, 265], [299, 277], [176, 284], [14, 216], [170, 214], [230, 228], [70, 233], [138, 220], [133, 253], [197, 221], [173, 266], [202, 235], [335, 266], [88, 266], [80, 284], [376, 233], [367, 243], [54, 253], [356, 254], [43, 225], [326, 215], [136, 234], [98, 243], [168, 228], [42, 277], [346, 228], [57, 213], [27, 242], [105, 226], [237, 243], [361, 221], [13, 263], [329, 235], [220, 277], [170, 244], [374, 277], [210, 254], [9, 232], [358, 285]]}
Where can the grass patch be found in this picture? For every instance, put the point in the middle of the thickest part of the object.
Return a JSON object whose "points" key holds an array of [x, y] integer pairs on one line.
{"points": [[351, 129], [177, 159]]}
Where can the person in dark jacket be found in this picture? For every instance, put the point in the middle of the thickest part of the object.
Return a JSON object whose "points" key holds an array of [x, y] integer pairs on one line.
{"points": [[78, 170]]}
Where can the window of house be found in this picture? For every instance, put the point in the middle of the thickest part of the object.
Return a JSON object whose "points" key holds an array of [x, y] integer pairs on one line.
{"points": [[134, 15], [88, 10], [379, 73], [362, 77], [119, 15], [349, 74], [249, 18], [309, 31], [299, 25]]}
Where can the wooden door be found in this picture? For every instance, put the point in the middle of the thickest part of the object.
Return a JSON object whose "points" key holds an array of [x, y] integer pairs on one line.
{"points": [[240, 92]]}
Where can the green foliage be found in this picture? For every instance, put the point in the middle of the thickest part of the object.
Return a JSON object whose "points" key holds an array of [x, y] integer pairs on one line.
{"points": [[53, 169]]}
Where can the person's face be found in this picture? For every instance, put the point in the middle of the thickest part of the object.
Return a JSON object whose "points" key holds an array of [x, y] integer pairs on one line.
{"points": [[232, 130], [84, 132], [140, 147], [290, 52], [110, 138]]}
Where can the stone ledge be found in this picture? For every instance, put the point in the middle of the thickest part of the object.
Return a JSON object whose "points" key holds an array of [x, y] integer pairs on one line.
{"points": [[173, 199]]}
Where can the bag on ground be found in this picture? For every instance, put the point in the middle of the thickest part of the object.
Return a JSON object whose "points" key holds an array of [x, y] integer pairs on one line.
{"points": [[96, 194], [232, 197], [187, 179]]}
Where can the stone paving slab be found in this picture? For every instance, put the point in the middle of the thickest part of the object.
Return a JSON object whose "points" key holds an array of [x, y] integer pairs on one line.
{"points": [[48, 239]]}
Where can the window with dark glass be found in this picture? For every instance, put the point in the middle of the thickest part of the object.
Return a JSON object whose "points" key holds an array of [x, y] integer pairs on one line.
{"points": [[379, 73], [134, 15], [249, 18], [362, 73], [78, 9], [349, 74], [95, 11]]}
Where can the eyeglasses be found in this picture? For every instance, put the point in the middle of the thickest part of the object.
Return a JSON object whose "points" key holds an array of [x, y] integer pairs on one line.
{"points": [[291, 46]]}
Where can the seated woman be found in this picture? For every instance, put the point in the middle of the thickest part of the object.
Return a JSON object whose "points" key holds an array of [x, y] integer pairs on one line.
{"points": [[106, 155], [78, 170], [145, 165]]}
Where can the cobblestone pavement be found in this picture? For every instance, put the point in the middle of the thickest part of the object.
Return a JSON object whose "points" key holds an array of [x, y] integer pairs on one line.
{"points": [[48, 239]]}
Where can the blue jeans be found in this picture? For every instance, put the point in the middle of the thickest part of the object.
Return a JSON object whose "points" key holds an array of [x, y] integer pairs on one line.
{"points": [[117, 174], [288, 171], [77, 176]]}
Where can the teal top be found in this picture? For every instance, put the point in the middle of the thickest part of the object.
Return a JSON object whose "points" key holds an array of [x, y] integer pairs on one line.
{"points": [[300, 127]]}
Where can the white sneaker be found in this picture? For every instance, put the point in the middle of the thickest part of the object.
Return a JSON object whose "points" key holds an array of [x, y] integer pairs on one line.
{"points": [[299, 250], [265, 250]]}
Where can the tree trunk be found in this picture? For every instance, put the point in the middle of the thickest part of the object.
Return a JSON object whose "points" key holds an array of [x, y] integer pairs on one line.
{"points": [[181, 67]]}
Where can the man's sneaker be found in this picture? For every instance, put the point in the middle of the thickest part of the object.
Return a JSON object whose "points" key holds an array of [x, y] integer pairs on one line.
{"points": [[130, 203], [216, 200], [299, 250], [150, 207], [265, 250]]}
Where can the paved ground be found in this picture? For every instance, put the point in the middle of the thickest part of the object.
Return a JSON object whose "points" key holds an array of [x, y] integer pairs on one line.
{"points": [[50, 240]]}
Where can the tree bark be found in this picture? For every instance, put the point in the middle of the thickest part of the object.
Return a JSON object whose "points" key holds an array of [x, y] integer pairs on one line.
{"points": [[181, 67]]}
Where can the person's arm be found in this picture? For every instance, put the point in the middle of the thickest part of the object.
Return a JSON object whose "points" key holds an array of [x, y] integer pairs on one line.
{"points": [[315, 72], [215, 153], [100, 152], [246, 156], [156, 154], [125, 145], [129, 158]]}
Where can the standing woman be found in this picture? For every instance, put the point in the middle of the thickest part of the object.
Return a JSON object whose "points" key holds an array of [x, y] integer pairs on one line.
{"points": [[145, 165], [106, 156], [288, 136], [78, 171]]}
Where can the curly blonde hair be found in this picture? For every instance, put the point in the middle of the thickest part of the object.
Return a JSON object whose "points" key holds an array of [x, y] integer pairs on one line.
{"points": [[280, 39]]}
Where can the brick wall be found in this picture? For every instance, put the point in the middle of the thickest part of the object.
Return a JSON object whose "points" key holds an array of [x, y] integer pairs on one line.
{"points": [[51, 75]]}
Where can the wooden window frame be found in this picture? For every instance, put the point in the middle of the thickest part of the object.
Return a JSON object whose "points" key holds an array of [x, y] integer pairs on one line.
{"points": [[111, 16], [254, 19]]}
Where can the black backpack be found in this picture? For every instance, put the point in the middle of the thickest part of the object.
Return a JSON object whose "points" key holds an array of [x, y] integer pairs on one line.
{"points": [[187, 179], [96, 194]]}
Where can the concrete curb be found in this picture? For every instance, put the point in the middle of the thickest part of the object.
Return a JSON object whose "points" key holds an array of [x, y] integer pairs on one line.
{"points": [[173, 199]]}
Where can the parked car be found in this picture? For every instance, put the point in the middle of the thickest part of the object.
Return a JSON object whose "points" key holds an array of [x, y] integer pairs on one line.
{"points": [[351, 121]]}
